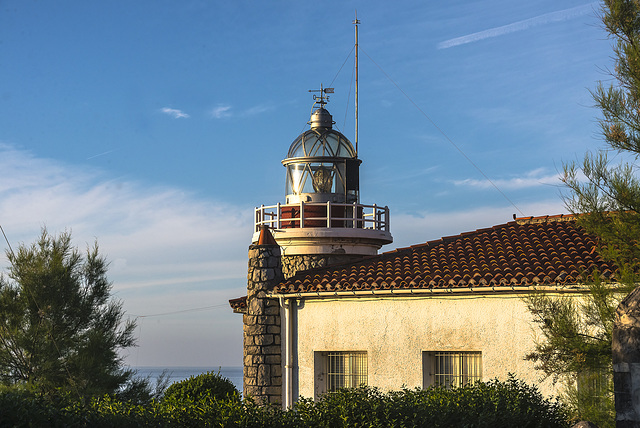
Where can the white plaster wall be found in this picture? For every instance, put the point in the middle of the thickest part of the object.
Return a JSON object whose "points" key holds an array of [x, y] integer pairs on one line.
{"points": [[394, 331]]}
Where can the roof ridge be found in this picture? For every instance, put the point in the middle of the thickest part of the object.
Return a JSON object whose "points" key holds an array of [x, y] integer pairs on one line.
{"points": [[546, 218], [446, 239]]}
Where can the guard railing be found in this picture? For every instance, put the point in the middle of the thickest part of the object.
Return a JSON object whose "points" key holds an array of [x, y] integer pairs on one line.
{"points": [[322, 214]]}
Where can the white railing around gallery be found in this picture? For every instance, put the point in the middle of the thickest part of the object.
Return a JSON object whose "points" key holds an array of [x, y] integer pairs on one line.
{"points": [[322, 214]]}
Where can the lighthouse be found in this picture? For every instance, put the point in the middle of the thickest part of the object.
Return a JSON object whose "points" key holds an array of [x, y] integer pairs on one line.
{"points": [[322, 221]]}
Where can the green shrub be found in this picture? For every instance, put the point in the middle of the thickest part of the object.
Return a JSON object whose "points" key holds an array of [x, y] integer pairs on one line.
{"points": [[171, 412], [21, 406], [205, 385], [492, 404]]}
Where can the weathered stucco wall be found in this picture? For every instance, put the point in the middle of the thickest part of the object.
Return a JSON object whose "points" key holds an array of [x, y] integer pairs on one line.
{"points": [[394, 331]]}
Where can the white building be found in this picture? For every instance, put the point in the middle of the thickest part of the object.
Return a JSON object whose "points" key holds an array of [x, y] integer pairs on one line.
{"points": [[325, 311]]}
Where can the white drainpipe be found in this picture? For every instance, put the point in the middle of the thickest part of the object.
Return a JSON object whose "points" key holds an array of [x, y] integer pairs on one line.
{"points": [[288, 306]]}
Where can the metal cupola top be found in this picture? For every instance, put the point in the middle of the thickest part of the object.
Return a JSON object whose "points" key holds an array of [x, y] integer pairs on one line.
{"points": [[321, 118], [322, 164]]}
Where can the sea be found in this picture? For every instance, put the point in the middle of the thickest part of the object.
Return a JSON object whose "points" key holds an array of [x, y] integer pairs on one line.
{"points": [[176, 374]]}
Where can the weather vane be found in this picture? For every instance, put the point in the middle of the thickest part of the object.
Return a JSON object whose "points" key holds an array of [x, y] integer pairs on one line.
{"points": [[322, 99]]}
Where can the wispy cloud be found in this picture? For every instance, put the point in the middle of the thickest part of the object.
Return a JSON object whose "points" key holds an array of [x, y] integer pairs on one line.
{"points": [[221, 111], [175, 113], [252, 111], [547, 18], [165, 245], [534, 178], [100, 154]]}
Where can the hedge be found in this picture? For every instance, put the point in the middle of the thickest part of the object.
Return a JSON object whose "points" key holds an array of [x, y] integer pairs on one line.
{"points": [[492, 404]]}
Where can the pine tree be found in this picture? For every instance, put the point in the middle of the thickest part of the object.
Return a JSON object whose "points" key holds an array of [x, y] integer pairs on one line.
{"points": [[609, 198], [604, 192], [59, 326]]}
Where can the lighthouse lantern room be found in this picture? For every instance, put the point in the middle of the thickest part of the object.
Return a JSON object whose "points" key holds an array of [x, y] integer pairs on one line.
{"points": [[322, 214], [322, 164]]}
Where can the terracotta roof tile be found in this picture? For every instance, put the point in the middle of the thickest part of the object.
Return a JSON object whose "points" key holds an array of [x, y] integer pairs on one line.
{"points": [[239, 305], [528, 251]]}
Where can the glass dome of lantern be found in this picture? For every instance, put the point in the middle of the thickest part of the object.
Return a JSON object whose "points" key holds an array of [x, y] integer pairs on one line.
{"points": [[322, 164]]}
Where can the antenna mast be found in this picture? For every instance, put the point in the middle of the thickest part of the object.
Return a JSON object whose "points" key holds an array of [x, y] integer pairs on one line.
{"points": [[356, 22]]}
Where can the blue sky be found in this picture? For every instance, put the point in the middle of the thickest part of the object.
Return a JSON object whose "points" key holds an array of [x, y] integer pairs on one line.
{"points": [[155, 127]]}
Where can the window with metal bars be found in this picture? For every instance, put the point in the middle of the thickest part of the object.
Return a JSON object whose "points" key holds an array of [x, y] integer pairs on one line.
{"points": [[594, 388], [449, 369], [345, 369]]}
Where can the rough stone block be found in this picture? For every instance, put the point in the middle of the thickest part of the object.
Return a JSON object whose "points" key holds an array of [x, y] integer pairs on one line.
{"points": [[273, 359], [272, 350], [264, 375], [272, 390], [270, 301], [276, 340], [252, 390], [275, 399], [275, 261], [247, 360], [267, 319], [272, 310], [258, 329], [270, 274], [248, 319], [273, 329], [263, 339], [256, 277], [252, 350], [256, 306], [276, 370]]}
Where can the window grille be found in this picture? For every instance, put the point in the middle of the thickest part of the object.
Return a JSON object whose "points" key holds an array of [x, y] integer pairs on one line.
{"points": [[450, 369], [345, 370], [595, 388]]}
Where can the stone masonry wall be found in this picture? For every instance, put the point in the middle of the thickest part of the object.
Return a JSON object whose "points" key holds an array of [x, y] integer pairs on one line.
{"points": [[625, 350], [293, 264], [262, 351]]}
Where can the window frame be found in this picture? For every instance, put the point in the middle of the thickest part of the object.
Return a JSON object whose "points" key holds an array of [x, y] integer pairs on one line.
{"points": [[340, 369], [451, 368]]}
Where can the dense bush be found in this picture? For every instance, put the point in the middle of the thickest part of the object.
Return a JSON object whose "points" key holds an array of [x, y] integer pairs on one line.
{"points": [[493, 404], [208, 384], [22, 406]]}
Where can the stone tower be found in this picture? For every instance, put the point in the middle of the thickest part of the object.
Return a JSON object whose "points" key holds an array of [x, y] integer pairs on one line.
{"points": [[262, 354]]}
